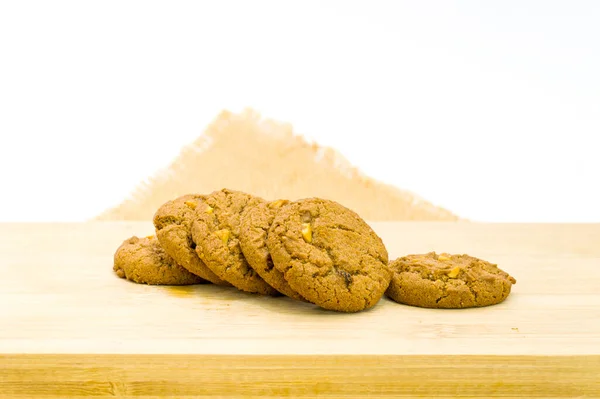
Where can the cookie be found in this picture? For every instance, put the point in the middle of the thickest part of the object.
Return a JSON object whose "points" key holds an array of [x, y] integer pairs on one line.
{"points": [[142, 260], [173, 222], [447, 281], [216, 231], [255, 223], [329, 255]]}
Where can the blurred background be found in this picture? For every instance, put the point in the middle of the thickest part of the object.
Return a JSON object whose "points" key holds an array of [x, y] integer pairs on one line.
{"points": [[490, 110]]}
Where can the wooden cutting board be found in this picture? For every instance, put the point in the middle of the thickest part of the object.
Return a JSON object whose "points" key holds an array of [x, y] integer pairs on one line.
{"points": [[69, 328]]}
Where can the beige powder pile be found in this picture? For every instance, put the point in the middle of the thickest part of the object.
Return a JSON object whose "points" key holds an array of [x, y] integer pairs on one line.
{"points": [[265, 158]]}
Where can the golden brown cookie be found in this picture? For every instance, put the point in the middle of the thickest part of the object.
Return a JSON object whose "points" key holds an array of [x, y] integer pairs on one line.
{"points": [[447, 281], [142, 260], [255, 223], [216, 231], [329, 255], [173, 221]]}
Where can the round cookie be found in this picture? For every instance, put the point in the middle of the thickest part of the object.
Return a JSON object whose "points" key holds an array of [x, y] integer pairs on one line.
{"points": [[142, 260], [329, 255], [255, 223], [216, 231], [447, 281], [173, 222]]}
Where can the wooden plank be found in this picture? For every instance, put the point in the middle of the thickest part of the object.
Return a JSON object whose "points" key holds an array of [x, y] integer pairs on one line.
{"points": [[70, 328], [59, 376]]}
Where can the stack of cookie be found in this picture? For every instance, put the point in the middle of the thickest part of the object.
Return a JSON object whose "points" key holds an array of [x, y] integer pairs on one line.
{"points": [[311, 250]]}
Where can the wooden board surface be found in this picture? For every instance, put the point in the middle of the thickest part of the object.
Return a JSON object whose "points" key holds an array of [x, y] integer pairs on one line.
{"points": [[70, 328]]}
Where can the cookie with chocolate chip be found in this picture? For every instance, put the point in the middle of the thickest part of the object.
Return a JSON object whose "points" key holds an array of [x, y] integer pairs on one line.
{"points": [[143, 260], [447, 281], [216, 232], [173, 221], [329, 255], [255, 223]]}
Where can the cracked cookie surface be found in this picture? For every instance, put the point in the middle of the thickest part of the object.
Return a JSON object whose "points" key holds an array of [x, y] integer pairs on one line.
{"points": [[255, 223], [173, 221], [447, 281], [216, 232], [143, 260], [329, 255]]}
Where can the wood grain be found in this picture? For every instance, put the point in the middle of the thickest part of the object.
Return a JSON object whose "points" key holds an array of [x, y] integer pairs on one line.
{"points": [[69, 328]]}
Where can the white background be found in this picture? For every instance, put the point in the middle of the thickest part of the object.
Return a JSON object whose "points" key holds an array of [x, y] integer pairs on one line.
{"points": [[488, 108]]}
